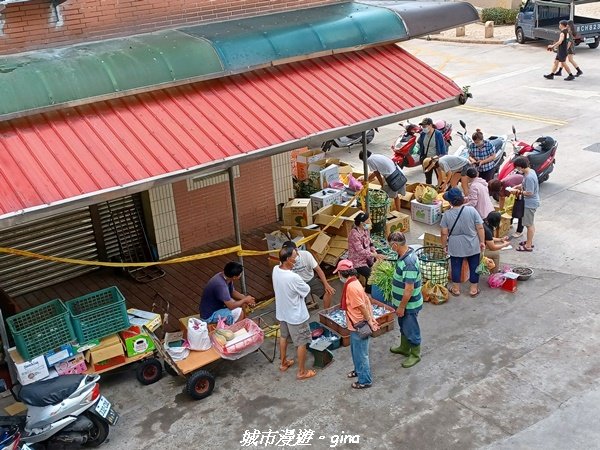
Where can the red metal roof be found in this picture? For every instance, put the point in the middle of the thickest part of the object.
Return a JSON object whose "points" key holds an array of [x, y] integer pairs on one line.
{"points": [[81, 152]]}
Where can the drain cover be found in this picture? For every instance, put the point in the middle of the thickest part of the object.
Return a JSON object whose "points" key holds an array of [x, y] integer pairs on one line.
{"points": [[593, 148]]}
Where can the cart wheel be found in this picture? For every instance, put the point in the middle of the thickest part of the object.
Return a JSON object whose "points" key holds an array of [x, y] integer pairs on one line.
{"points": [[149, 371], [200, 384], [170, 369]]}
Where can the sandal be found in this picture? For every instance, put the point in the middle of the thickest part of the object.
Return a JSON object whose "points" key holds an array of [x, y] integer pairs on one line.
{"points": [[286, 365], [525, 242], [475, 294], [453, 292], [522, 248], [357, 385], [308, 374], [516, 235], [352, 374]]}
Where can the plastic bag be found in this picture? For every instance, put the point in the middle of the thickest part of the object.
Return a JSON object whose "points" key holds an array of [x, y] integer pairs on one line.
{"points": [[426, 290], [496, 280], [176, 346], [197, 334], [249, 338], [508, 204], [354, 184], [429, 195], [439, 294], [482, 268], [489, 262]]}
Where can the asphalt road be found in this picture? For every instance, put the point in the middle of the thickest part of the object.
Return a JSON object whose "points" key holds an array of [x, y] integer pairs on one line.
{"points": [[504, 370]]}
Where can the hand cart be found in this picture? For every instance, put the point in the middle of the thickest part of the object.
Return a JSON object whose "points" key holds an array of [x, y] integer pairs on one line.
{"points": [[199, 381], [148, 367]]}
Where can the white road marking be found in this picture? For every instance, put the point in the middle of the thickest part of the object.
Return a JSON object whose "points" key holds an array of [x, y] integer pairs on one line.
{"points": [[569, 92], [505, 75]]}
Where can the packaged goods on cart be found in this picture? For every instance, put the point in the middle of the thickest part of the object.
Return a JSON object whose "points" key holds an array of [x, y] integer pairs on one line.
{"points": [[247, 338]]}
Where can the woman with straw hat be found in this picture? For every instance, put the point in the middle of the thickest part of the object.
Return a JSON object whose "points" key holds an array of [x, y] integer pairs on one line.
{"points": [[448, 169]]}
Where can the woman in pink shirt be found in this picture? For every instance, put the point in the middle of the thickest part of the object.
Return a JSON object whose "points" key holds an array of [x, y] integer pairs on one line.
{"points": [[479, 196], [361, 251]]}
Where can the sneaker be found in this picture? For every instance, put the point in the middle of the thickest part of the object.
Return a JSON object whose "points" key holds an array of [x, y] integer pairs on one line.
{"points": [[558, 73], [570, 77], [579, 72], [550, 76]]}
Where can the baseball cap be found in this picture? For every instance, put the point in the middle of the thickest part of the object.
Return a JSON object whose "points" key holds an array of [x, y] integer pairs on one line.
{"points": [[454, 196], [344, 264], [426, 121]]}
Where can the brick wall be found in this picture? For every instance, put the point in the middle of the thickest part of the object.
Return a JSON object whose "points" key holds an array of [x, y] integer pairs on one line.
{"points": [[33, 24], [204, 215]]}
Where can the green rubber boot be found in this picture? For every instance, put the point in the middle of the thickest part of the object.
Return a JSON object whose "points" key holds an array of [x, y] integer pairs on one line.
{"points": [[414, 357], [403, 348]]}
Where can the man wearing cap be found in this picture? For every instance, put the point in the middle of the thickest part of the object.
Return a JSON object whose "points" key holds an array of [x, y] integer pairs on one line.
{"points": [[291, 312], [382, 167], [449, 169], [358, 308], [431, 143], [479, 196], [407, 298], [307, 267]]}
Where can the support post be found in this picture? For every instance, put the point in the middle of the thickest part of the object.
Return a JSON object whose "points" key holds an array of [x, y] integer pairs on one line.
{"points": [[365, 168], [236, 222]]}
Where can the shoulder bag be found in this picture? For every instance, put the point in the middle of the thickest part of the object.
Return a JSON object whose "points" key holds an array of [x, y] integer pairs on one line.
{"points": [[362, 328], [456, 220], [518, 209], [396, 180]]}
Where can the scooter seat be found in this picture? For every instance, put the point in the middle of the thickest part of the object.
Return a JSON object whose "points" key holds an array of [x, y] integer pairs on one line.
{"points": [[50, 392], [536, 159]]}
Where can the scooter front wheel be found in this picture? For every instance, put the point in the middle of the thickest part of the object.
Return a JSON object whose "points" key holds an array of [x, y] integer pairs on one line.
{"points": [[98, 433]]}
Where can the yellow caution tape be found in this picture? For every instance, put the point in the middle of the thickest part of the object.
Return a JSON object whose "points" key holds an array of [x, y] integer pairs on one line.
{"points": [[237, 249]]}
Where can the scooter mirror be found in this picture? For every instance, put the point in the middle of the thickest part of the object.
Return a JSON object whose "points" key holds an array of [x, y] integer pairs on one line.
{"points": [[462, 124], [514, 131]]}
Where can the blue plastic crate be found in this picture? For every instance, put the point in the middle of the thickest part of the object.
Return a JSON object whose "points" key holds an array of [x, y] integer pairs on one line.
{"points": [[336, 340]]}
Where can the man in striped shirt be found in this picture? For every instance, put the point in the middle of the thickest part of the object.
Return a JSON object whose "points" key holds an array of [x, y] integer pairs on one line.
{"points": [[407, 298]]}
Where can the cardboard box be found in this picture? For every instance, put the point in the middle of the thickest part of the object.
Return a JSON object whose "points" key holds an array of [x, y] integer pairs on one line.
{"points": [[298, 212], [406, 199], [428, 214], [320, 246], [327, 173], [59, 354], [338, 245], [324, 198], [71, 366], [29, 371], [504, 228], [397, 221], [140, 318], [136, 342], [109, 353], [432, 240], [303, 160], [342, 225], [276, 239]]}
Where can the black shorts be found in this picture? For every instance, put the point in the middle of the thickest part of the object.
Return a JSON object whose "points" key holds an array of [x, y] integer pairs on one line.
{"points": [[561, 56]]}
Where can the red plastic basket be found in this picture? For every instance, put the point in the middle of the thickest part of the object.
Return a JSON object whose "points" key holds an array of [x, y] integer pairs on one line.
{"points": [[243, 347]]}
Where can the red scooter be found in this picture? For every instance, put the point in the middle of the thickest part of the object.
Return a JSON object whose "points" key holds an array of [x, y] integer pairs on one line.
{"points": [[541, 155], [406, 149]]}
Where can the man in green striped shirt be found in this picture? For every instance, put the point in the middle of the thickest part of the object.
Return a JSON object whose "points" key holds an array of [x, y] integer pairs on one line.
{"points": [[407, 298]]}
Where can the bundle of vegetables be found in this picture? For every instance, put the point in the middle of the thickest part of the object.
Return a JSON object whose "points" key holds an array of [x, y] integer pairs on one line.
{"points": [[382, 274], [434, 271], [382, 246]]}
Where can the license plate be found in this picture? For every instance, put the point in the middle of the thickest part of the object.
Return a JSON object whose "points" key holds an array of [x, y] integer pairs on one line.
{"points": [[589, 40], [104, 409]]}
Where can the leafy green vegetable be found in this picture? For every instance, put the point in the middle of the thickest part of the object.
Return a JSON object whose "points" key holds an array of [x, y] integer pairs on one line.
{"points": [[382, 274]]}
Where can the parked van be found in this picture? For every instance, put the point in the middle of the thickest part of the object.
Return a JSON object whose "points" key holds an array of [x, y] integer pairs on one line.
{"points": [[538, 19]]}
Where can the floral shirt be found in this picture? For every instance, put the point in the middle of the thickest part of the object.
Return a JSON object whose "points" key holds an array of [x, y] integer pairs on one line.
{"points": [[360, 248], [480, 153]]}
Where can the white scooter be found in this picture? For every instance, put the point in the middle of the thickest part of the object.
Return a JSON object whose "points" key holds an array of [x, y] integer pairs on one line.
{"points": [[64, 410], [499, 143]]}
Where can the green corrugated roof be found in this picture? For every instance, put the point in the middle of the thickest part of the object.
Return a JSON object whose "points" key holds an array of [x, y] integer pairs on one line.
{"points": [[35, 81]]}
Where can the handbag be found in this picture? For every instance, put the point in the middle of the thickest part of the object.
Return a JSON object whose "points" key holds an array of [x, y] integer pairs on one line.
{"points": [[363, 329], [396, 180], [518, 210]]}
